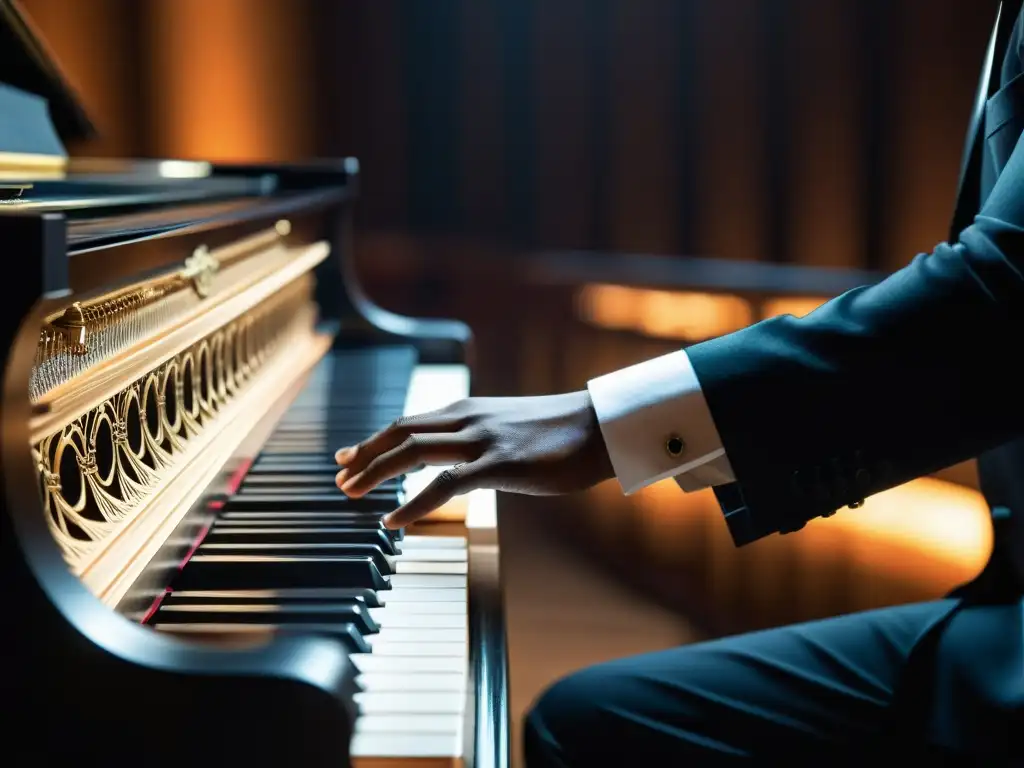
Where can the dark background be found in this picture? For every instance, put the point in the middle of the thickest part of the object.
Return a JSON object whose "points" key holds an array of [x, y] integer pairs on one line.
{"points": [[785, 130]]}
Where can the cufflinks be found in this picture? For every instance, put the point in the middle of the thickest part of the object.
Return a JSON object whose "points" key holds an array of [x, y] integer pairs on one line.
{"points": [[674, 446]]}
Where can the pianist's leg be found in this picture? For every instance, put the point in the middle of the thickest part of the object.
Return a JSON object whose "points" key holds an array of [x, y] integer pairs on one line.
{"points": [[809, 694]]}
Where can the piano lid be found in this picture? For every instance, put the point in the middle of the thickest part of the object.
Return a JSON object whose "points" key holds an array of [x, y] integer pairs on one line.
{"points": [[40, 108]]}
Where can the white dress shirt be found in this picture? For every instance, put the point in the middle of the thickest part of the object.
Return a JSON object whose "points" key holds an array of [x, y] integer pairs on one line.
{"points": [[656, 424]]}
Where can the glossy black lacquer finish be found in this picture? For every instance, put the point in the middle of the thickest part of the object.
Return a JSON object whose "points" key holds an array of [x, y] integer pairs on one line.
{"points": [[486, 734], [127, 682], [85, 682]]}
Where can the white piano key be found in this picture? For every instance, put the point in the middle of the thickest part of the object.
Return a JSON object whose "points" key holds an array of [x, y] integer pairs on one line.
{"points": [[412, 541], [421, 620], [423, 595], [413, 681], [435, 386], [409, 724], [406, 745], [409, 567], [411, 702], [398, 664], [384, 647], [417, 636], [411, 607], [434, 580], [434, 555]]}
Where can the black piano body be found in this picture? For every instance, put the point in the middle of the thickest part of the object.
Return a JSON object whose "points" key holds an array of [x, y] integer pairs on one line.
{"points": [[87, 246]]}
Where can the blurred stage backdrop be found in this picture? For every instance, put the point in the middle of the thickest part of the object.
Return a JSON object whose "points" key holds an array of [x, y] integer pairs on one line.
{"points": [[589, 183]]}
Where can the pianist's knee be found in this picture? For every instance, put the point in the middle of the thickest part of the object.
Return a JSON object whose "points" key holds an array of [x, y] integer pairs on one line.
{"points": [[604, 715], [556, 727], [644, 710]]}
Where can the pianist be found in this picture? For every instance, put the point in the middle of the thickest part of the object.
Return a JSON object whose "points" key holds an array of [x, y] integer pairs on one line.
{"points": [[792, 419]]}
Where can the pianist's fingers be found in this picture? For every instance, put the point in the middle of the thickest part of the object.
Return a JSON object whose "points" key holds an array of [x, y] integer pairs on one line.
{"points": [[460, 479], [417, 449], [355, 458], [533, 445]]}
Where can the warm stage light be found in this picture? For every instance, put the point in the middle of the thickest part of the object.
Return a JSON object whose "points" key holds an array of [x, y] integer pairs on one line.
{"points": [[928, 534], [797, 306], [684, 315]]}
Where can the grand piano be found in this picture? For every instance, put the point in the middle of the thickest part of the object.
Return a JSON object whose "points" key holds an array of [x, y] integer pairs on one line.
{"points": [[186, 346]]}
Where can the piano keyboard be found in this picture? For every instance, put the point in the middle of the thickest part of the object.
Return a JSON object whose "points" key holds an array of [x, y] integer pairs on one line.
{"points": [[289, 552]]}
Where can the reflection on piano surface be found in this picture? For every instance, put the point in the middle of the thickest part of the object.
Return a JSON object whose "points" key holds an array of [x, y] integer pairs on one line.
{"points": [[187, 346]]}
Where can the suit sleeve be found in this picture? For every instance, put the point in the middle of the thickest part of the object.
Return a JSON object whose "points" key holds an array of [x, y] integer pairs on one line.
{"points": [[878, 386]]}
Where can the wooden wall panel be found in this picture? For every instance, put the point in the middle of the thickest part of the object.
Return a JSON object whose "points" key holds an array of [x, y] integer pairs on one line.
{"points": [[644, 119], [385, 113], [96, 44], [823, 64], [730, 205], [230, 80], [481, 118], [643, 116], [824, 133], [932, 95], [561, 61]]}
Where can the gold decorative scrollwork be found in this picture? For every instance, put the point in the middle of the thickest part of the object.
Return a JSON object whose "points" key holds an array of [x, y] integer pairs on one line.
{"points": [[78, 337], [200, 268], [98, 471]]}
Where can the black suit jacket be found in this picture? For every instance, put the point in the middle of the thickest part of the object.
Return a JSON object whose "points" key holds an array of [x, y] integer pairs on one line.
{"points": [[887, 383], [890, 382]]}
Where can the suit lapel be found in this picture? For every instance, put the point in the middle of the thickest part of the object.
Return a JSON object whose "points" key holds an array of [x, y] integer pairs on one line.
{"points": [[968, 189]]}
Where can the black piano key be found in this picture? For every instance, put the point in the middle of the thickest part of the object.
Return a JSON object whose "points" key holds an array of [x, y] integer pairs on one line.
{"points": [[351, 404], [355, 520], [310, 464], [387, 494], [314, 450], [339, 436], [276, 596], [306, 465], [297, 463], [321, 421], [307, 516], [321, 389], [332, 492], [312, 483], [299, 480], [278, 572], [297, 430], [276, 533], [344, 611], [348, 634], [309, 520], [343, 434], [328, 502], [292, 479], [321, 453], [302, 458], [319, 549], [333, 440]]}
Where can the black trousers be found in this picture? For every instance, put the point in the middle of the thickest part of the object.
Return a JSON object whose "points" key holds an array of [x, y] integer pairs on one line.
{"points": [[820, 693]]}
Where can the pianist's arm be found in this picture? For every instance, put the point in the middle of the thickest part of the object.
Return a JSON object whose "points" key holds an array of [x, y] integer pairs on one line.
{"points": [[789, 419], [877, 387]]}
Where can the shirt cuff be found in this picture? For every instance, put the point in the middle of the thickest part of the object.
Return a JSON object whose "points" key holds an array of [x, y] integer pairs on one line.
{"points": [[656, 424]]}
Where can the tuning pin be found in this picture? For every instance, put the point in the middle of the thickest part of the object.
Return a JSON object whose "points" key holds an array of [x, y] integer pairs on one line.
{"points": [[71, 325]]}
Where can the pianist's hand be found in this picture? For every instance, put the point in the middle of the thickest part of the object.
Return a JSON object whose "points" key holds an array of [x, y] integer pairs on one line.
{"points": [[533, 445]]}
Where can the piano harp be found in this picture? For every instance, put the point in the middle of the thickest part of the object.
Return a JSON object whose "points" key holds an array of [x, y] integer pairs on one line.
{"points": [[187, 344]]}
